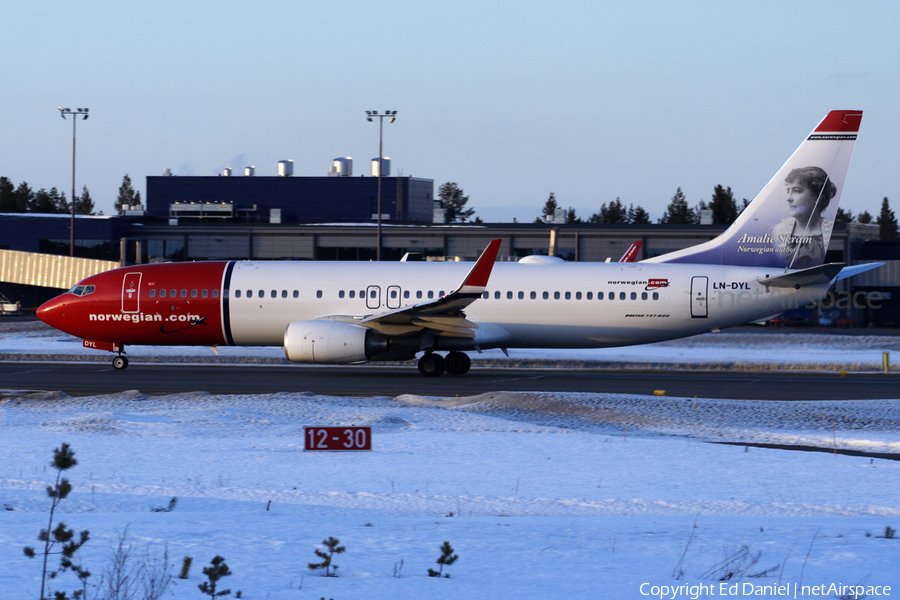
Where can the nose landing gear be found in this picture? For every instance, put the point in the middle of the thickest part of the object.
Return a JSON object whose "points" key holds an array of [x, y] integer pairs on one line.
{"points": [[120, 362]]}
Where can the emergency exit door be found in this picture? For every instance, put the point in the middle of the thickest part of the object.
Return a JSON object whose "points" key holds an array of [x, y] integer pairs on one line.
{"points": [[699, 287], [131, 292]]}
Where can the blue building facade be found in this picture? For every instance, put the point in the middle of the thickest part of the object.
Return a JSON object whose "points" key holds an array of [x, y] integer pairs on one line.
{"points": [[299, 199]]}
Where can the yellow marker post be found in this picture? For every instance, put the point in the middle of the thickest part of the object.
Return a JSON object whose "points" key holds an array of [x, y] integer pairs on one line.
{"points": [[886, 359], [659, 392]]}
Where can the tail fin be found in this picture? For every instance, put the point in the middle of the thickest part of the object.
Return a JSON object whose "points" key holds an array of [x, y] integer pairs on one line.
{"points": [[789, 223], [632, 252]]}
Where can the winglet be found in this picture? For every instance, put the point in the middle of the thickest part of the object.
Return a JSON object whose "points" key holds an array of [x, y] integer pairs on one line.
{"points": [[477, 279]]}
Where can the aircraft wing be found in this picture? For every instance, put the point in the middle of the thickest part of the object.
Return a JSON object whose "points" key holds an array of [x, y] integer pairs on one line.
{"points": [[443, 316]]}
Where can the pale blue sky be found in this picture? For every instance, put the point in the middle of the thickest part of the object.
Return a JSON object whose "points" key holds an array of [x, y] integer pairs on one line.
{"points": [[511, 100]]}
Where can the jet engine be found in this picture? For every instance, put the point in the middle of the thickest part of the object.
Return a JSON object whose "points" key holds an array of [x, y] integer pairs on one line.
{"points": [[331, 342]]}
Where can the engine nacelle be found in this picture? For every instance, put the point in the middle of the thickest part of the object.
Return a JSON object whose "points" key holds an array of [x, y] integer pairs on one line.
{"points": [[331, 342]]}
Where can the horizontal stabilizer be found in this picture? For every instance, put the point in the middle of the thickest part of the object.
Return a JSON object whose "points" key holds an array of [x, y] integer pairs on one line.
{"points": [[814, 276], [857, 269]]}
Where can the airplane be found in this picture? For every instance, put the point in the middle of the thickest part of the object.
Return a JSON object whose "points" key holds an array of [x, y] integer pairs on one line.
{"points": [[771, 259]]}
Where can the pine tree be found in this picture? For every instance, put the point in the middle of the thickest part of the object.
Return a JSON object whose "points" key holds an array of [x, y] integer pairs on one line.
{"points": [[43, 202], [614, 213], [843, 217], [678, 212], [454, 203], [446, 558], [723, 205], [549, 210], [332, 547], [24, 198], [59, 536], [571, 217], [84, 204], [637, 215], [127, 196], [216, 571], [7, 196], [864, 217], [887, 222]]}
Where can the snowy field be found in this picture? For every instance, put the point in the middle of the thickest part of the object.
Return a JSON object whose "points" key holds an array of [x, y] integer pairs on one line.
{"points": [[541, 495]]}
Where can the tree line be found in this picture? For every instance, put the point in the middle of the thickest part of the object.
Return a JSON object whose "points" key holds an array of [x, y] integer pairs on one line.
{"points": [[722, 207], [23, 199]]}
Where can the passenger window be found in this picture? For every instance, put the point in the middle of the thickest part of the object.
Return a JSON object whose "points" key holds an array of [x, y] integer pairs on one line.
{"points": [[545, 295], [249, 293], [612, 295], [153, 293], [441, 294], [486, 295], [521, 295], [406, 294], [590, 295], [556, 295], [204, 293], [371, 294], [578, 295], [533, 295], [261, 294], [509, 295], [193, 293], [284, 293], [568, 295], [419, 294], [621, 295], [430, 295], [296, 294], [656, 295], [162, 293], [341, 294], [634, 295], [318, 293], [173, 293], [237, 293], [216, 293], [496, 295], [393, 294], [643, 295], [353, 293], [274, 294]]}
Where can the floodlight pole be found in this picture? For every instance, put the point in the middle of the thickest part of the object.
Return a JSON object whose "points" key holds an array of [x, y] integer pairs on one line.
{"points": [[392, 115], [75, 114]]}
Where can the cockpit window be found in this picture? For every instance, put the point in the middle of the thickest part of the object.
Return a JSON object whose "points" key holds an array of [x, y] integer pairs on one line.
{"points": [[82, 290]]}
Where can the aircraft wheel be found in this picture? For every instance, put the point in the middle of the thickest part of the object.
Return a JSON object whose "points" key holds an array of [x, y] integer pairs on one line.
{"points": [[458, 363], [120, 363], [431, 364]]}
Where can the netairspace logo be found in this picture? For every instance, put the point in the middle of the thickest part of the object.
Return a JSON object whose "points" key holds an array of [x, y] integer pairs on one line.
{"points": [[786, 590]]}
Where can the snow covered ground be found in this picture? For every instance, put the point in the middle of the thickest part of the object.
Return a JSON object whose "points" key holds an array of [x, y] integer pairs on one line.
{"points": [[541, 495]]}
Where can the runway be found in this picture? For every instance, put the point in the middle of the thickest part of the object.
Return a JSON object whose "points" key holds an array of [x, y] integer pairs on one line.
{"points": [[87, 379]]}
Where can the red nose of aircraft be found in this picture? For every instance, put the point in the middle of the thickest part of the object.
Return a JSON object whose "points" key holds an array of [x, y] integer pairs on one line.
{"points": [[53, 312]]}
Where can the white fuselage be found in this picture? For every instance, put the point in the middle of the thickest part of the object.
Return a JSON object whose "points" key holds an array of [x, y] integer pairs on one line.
{"points": [[561, 305]]}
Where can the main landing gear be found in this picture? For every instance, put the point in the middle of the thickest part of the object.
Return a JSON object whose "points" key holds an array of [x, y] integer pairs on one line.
{"points": [[432, 365]]}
